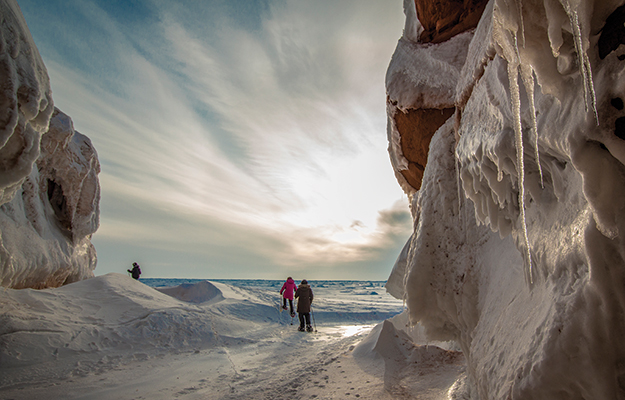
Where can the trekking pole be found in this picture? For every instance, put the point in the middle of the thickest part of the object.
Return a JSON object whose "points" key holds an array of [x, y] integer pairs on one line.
{"points": [[313, 317]]}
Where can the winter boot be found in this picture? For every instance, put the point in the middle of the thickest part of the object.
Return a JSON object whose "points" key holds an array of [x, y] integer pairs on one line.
{"points": [[292, 314], [284, 307], [301, 329], [309, 328]]}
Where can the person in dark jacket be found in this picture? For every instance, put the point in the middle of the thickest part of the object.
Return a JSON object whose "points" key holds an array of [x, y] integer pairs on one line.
{"points": [[304, 296], [135, 271]]}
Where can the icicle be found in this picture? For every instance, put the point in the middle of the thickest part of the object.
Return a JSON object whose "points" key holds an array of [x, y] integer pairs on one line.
{"points": [[458, 183], [516, 50], [582, 59], [527, 74], [505, 35], [515, 99], [519, 5], [461, 211]]}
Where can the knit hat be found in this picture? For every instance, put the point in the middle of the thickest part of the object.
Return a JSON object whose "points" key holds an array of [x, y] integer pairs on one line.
{"points": [[304, 281]]}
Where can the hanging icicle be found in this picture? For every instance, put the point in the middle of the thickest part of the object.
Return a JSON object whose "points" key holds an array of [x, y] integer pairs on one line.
{"points": [[582, 59], [505, 35], [527, 75], [519, 4], [508, 31], [515, 98]]}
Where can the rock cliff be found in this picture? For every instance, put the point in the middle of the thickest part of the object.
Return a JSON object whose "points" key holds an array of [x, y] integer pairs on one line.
{"points": [[507, 134], [49, 189]]}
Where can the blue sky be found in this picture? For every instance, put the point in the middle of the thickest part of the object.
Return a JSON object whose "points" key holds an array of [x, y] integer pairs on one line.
{"points": [[237, 139]]}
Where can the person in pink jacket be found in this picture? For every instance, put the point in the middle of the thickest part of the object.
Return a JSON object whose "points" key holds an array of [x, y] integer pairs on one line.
{"points": [[288, 289]]}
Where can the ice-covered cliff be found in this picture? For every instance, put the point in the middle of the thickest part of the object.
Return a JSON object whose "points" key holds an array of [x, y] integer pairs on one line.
{"points": [[49, 189], [508, 133]]}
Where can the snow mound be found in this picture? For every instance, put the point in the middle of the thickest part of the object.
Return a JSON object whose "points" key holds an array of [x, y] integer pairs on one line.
{"points": [[114, 323], [403, 359], [200, 292], [105, 321]]}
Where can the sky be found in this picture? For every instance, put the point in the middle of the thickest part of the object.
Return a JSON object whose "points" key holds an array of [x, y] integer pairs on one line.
{"points": [[241, 139]]}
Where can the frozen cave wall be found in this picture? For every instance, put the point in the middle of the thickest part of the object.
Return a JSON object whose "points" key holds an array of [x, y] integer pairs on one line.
{"points": [[416, 104], [518, 250], [49, 188]]}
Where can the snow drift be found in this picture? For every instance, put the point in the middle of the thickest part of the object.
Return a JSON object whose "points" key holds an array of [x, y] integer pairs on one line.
{"points": [[60, 341], [49, 189], [99, 323], [200, 292], [518, 248]]}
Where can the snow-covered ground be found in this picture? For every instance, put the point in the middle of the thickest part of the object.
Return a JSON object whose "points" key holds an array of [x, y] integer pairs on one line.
{"points": [[112, 337]]}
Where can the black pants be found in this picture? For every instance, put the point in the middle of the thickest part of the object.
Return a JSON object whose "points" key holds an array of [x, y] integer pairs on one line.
{"points": [[304, 317], [284, 299]]}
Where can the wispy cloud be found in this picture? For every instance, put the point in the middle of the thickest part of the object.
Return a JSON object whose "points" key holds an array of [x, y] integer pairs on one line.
{"points": [[235, 133]]}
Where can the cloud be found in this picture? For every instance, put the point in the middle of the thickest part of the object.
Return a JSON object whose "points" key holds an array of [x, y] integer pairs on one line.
{"points": [[252, 133], [395, 219]]}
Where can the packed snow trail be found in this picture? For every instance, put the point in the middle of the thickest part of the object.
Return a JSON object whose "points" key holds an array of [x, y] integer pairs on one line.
{"points": [[286, 364]]}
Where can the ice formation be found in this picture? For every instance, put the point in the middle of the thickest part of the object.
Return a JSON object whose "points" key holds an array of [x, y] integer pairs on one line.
{"points": [[541, 167], [49, 189]]}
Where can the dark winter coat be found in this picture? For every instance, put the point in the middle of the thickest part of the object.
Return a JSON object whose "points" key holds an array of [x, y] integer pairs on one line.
{"points": [[136, 272], [288, 288], [304, 294]]}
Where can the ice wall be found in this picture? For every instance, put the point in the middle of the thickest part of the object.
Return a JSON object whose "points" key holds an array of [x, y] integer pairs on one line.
{"points": [[49, 189], [538, 124]]}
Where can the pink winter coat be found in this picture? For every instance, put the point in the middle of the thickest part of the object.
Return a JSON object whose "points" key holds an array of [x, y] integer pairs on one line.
{"points": [[288, 289]]}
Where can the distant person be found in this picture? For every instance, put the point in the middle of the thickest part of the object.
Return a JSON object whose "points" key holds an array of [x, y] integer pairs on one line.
{"points": [[288, 289], [304, 294], [135, 271]]}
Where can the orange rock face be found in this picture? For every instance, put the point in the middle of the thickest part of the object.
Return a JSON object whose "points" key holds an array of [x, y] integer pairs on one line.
{"points": [[415, 123], [443, 19], [417, 128]]}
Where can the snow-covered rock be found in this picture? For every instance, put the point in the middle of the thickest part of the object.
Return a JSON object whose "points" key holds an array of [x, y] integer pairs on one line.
{"points": [[49, 188], [420, 96], [441, 20], [518, 252], [25, 100]]}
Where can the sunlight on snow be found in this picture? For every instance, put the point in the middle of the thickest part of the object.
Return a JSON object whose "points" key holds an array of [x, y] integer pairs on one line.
{"points": [[353, 330], [343, 331], [349, 330]]}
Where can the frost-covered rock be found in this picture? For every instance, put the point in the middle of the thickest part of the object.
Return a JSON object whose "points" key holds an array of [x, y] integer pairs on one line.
{"points": [[444, 19], [49, 189], [535, 299], [46, 229], [68, 172], [25, 100], [420, 96]]}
